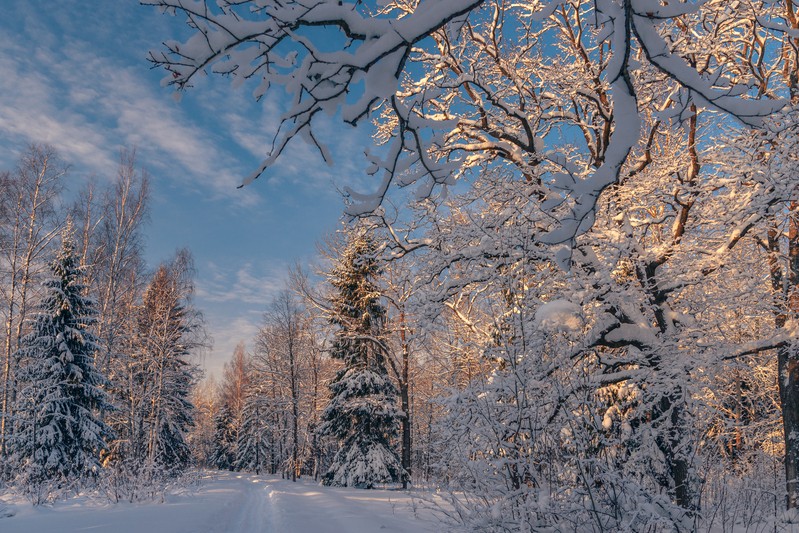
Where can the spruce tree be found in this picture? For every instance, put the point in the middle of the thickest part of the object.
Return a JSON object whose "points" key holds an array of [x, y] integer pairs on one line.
{"points": [[362, 413], [59, 436], [224, 454], [253, 445]]}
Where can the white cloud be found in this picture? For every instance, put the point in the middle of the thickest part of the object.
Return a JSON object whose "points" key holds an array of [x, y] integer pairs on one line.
{"points": [[89, 101], [247, 283], [88, 107], [300, 166], [30, 112], [234, 300], [233, 331]]}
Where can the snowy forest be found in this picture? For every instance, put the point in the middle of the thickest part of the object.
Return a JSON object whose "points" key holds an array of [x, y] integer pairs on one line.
{"points": [[568, 302], [97, 367]]}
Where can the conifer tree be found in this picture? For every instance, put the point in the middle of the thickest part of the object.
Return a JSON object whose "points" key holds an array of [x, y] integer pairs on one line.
{"points": [[59, 435], [224, 454], [362, 414], [253, 444]]}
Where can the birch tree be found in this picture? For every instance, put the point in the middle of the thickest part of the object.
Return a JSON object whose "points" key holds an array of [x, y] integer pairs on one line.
{"points": [[205, 398], [285, 363], [233, 394], [156, 413], [30, 224], [165, 342], [117, 262]]}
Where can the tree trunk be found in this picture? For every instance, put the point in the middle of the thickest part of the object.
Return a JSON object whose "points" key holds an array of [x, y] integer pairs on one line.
{"points": [[787, 360], [28, 244], [677, 465], [788, 365], [295, 415], [405, 400]]}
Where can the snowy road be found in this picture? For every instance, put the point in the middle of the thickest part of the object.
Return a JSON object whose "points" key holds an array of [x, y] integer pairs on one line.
{"points": [[234, 503]]}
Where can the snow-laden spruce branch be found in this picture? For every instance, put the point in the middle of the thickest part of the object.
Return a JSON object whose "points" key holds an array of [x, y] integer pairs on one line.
{"points": [[450, 95]]}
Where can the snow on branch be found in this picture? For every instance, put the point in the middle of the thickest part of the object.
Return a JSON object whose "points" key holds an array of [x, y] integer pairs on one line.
{"points": [[559, 315], [783, 337], [463, 84], [706, 87], [368, 65]]}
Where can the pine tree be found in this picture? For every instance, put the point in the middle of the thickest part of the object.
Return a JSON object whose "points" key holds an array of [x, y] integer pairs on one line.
{"points": [[59, 435], [362, 414]]}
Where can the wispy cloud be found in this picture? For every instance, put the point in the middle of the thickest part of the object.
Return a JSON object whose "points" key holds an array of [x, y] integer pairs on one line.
{"points": [[237, 329], [87, 91], [30, 110], [89, 102], [245, 283], [88, 107], [234, 299], [301, 165]]}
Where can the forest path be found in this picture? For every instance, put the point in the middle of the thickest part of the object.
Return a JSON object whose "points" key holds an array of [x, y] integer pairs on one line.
{"points": [[230, 502], [308, 507]]}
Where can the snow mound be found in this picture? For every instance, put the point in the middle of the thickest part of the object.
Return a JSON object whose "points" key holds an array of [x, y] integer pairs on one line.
{"points": [[6, 510], [559, 315]]}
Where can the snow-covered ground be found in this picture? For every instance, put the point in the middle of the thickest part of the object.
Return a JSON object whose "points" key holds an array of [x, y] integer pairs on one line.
{"points": [[233, 503]]}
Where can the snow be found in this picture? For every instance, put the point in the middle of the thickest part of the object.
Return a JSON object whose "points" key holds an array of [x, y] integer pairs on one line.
{"points": [[703, 87], [559, 315], [231, 502]]}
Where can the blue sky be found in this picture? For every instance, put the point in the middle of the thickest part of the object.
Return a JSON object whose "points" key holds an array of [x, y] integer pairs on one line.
{"points": [[73, 74]]}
